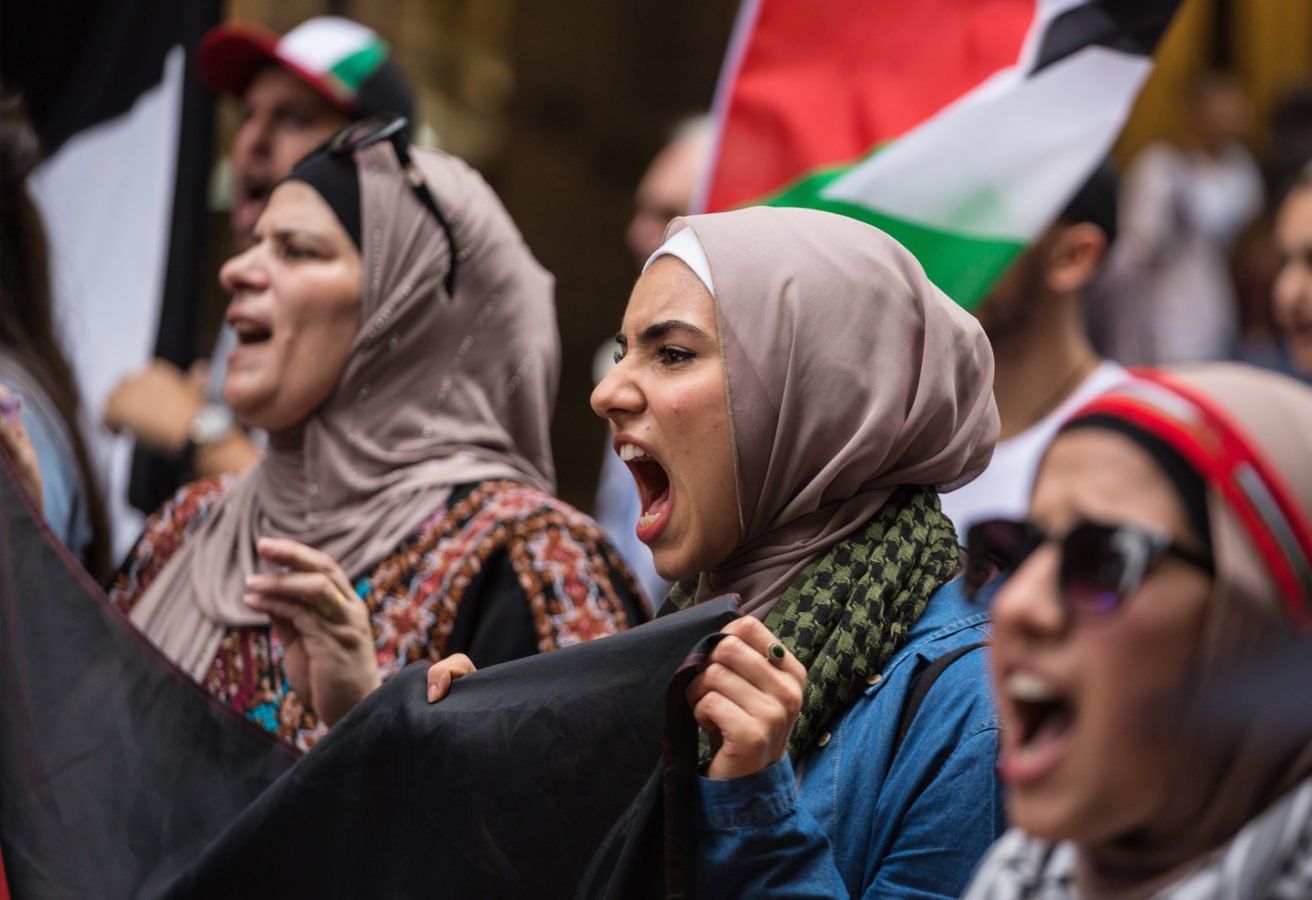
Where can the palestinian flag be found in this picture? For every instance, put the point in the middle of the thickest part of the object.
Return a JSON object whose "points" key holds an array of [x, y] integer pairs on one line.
{"points": [[960, 127]]}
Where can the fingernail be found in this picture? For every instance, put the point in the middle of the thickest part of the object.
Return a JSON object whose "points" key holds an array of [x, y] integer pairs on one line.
{"points": [[11, 405], [257, 580], [432, 693], [250, 599]]}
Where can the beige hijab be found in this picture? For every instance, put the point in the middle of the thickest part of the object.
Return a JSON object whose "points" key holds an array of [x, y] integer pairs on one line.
{"points": [[438, 391], [848, 374], [1220, 786]]}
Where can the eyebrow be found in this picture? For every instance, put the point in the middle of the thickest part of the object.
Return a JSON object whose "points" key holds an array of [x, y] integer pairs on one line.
{"points": [[655, 332], [287, 233]]}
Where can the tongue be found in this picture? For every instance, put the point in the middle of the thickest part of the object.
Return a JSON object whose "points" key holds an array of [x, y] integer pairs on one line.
{"points": [[1054, 724], [658, 507]]}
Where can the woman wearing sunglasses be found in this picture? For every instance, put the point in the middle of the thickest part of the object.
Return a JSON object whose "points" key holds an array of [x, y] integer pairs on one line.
{"points": [[789, 390], [1169, 542], [398, 342]]}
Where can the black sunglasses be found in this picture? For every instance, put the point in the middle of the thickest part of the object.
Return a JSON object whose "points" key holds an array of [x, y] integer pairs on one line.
{"points": [[367, 133], [1101, 565]]}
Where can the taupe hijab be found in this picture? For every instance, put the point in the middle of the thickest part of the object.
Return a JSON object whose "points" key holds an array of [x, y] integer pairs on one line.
{"points": [[438, 391], [848, 374], [1220, 784]]}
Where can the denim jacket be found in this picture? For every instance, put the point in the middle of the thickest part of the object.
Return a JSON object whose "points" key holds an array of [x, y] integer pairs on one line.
{"points": [[857, 820]]}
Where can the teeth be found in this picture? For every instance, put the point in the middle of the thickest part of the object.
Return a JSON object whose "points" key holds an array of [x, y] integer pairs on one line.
{"points": [[632, 451], [647, 519], [1029, 688]]}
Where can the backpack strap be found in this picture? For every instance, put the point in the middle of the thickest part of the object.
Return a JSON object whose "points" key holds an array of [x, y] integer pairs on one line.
{"points": [[921, 682]]}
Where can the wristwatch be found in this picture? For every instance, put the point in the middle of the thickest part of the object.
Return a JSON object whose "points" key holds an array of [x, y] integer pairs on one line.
{"points": [[212, 424]]}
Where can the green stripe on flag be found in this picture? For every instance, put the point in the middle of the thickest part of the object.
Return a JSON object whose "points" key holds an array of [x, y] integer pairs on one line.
{"points": [[354, 69], [963, 267]]}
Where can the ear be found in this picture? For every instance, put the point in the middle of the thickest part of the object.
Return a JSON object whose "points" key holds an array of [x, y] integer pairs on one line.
{"points": [[1074, 256]]}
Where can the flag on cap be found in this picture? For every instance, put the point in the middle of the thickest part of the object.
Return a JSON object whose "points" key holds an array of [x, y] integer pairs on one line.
{"points": [[960, 127], [344, 61]]}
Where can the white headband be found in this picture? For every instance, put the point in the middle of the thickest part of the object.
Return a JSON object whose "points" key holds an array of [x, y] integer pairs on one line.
{"points": [[685, 246]]}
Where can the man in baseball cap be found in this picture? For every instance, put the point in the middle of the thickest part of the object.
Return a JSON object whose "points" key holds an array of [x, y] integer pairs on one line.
{"points": [[294, 92]]}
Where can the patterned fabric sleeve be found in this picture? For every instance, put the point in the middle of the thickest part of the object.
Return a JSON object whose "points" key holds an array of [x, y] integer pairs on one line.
{"points": [[165, 531], [428, 600], [577, 588], [502, 566]]}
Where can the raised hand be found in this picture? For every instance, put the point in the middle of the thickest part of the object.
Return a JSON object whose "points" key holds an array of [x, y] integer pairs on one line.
{"points": [[747, 699], [324, 627], [15, 439]]}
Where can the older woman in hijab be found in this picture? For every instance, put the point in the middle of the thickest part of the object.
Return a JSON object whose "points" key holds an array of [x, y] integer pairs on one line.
{"points": [[790, 393], [1169, 544], [397, 340]]}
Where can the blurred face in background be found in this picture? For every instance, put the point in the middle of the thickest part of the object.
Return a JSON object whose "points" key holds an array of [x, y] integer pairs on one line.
{"points": [[295, 310], [1081, 755], [667, 407], [666, 192], [282, 119], [1293, 288], [1220, 112]]}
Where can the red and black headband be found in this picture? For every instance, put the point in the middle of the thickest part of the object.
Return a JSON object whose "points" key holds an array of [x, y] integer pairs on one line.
{"points": [[1208, 439]]}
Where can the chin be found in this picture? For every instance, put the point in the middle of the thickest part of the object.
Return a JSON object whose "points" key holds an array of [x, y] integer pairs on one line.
{"points": [[669, 569], [1041, 819]]}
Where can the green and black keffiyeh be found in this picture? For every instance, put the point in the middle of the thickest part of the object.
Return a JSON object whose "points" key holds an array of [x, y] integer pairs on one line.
{"points": [[848, 612]]}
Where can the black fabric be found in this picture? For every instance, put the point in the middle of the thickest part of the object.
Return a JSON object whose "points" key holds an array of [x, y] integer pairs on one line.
{"points": [[494, 624], [1128, 26], [121, 778], [503, 789], [921, 682], [115, 768], [1188, 483], [654, 842], [385, 92], [79, 63], [1096, 202], [154, 477], [335, 178]]}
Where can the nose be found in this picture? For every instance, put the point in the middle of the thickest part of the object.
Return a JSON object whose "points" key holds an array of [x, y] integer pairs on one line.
{"points": [[1027, 606], [243, 273], [617, 397], [253, 137]]}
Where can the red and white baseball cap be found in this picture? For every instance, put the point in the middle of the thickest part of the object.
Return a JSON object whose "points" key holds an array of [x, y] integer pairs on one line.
{"points": [[349, 64]]}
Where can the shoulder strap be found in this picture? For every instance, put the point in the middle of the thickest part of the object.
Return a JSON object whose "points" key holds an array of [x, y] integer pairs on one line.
{"points": [[921, 682]]}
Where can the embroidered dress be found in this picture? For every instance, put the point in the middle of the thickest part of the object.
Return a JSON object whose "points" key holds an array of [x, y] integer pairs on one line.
{"points": [[502, 571]]}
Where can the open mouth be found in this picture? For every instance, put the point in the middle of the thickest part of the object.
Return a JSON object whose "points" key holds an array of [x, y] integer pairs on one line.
{"points": [[256, 190], [249, 198], [249, 332], [653, 490], [1042, 719]]}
